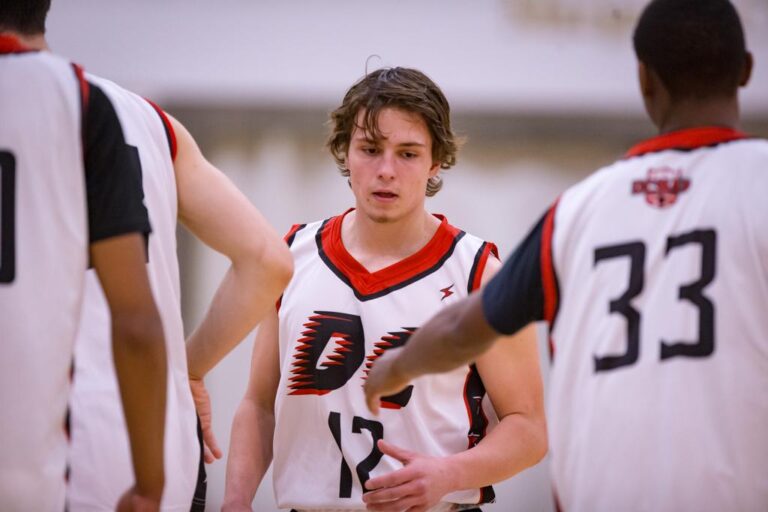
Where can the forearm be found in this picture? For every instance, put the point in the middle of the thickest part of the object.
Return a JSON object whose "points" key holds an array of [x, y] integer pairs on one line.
{"points": [[250, 452], [140, 365], [246, 294], [452, 338], [516, 443]]}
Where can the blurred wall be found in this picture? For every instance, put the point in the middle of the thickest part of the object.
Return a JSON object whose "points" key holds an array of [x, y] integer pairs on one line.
{"points": [[544, 90]]}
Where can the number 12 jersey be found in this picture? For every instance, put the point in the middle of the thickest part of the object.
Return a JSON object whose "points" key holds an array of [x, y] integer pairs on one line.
{"points": [[336, 319]]}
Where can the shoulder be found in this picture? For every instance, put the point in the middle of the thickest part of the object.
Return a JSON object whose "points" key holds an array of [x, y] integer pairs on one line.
{"points": [[300, 232], [116, 93], [479, 255]]}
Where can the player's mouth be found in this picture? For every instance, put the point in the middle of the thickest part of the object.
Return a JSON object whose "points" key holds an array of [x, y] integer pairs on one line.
{"points": [[385, 195]]}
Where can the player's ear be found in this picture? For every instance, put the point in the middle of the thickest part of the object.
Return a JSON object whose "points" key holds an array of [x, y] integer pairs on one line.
{"points": [[746, 73], [434, 169]]}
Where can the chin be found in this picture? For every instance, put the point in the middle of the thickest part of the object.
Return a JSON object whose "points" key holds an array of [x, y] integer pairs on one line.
{"points": [[379, 216]]}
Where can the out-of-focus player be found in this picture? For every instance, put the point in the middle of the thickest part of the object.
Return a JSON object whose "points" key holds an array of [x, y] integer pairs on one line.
{"points": [[653, 276], [365, 281], [178, 184], [70, 192]]}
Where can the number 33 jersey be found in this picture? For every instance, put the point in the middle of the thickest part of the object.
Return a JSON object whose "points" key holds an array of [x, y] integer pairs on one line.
{"points": [[654, 275], [336, 319]]}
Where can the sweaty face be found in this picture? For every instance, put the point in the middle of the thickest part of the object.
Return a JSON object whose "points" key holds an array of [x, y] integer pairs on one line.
{"points": [[389, 175]]}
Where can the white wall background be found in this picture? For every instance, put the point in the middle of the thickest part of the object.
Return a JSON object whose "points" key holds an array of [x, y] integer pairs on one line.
{"points": [[508, 55], [545, 90]]}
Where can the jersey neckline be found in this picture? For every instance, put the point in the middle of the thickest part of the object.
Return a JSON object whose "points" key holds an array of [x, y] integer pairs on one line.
{"points": [[10, 44], [369, 285], [686, 140]]}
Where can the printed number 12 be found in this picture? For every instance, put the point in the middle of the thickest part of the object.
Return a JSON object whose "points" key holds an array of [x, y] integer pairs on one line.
{"points": [[365, 467]]}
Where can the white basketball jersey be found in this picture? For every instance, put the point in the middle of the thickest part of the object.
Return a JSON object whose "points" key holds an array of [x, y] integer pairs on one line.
{"points": [[43, 256], [100, 459], [659, 387], [336, 319]]}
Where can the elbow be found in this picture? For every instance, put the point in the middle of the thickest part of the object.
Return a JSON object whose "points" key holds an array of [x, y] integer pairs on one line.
{"points": [[280, 265], [270, 263], [540, 446], [538, 440], [139, 334], [531, 433]]}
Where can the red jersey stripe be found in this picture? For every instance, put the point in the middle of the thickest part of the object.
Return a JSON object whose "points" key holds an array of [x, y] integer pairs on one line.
{"points": [[11, 44], [687, 139], [368, 283], [168, 128]]}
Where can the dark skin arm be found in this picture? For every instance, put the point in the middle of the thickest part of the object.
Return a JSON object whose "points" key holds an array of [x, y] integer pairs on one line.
{"points": [[140, 359], [455, 336]]}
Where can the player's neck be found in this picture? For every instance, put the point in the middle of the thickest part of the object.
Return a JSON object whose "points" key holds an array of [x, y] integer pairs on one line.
{"points": [[31, 41], [377, 245], [695, 113]]}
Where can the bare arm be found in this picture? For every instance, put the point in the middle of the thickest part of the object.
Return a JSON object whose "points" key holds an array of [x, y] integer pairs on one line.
{"points": [[139, 354], [250, 451], [217, 213], [511, 375]]}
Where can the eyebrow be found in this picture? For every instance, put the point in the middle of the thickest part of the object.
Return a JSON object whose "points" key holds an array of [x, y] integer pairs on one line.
{"points": [[363, 138]]}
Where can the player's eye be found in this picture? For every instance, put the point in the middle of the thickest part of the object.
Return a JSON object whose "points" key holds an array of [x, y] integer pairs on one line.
{"points": [[369, 150]]}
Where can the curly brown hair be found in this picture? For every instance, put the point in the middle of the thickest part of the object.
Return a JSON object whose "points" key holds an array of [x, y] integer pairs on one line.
{"points": [[401, 88]]}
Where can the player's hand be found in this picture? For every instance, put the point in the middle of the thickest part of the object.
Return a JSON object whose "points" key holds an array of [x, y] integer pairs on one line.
{"points": [[132, 501], [383, 380], [415, 488], [203, 407]]}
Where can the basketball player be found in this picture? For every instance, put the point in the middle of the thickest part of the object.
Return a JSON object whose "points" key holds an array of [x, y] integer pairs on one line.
{"points": [[178, 183], [365, 281], [653, 276], [70, 193]]}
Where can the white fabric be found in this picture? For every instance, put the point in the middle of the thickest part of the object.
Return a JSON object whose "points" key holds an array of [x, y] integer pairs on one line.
{"points": [[101, 468], [683, 433], [41, 126]]}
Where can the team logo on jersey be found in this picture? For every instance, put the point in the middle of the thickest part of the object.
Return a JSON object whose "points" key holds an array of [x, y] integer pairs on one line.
{"points": [[662, 186], [330, 350], [446, 292], [391, 340]]}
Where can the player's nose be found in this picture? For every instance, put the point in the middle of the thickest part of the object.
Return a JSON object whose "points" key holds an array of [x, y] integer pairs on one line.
{"points": [[386, 170]]}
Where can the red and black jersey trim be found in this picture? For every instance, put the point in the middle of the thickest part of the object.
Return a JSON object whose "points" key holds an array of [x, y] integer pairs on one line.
{"points": [[478, 266], [549, 282], [170, 133], [291, 235], [526, 289], [85, 95], [686, 140], [11, 45], [372, 285], [474, 392], [288, 238]]}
